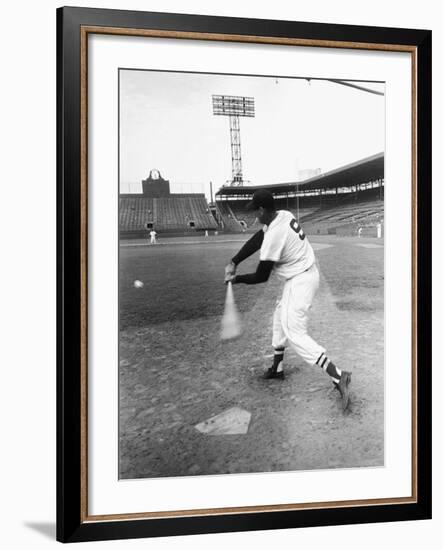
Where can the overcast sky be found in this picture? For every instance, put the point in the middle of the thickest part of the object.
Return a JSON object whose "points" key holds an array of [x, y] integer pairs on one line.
{"points": [[166, 122]]}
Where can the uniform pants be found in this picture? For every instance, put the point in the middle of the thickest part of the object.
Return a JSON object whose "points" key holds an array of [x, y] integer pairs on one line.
{"points": [[290, 324]]}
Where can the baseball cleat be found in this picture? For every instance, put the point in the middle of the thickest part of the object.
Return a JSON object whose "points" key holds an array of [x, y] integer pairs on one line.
{"points": [[343, 388], [273, 373]]}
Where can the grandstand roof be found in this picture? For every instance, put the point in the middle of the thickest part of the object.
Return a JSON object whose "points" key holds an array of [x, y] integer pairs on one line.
{"points": [[367, 169]]}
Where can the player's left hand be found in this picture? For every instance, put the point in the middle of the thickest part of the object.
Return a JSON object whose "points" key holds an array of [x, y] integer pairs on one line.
{"points": [[230, 272], [230, 279]]}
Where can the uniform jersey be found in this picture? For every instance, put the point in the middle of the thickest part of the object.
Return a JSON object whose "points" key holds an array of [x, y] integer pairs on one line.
{"points": [[286, 245]]}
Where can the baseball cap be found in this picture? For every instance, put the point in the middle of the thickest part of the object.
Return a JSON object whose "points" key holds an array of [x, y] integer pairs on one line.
{"points": [[263, 198]]}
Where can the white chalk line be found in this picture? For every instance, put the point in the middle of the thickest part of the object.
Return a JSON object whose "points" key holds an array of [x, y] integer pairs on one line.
{"points": [[315, 246], [129, 245]]}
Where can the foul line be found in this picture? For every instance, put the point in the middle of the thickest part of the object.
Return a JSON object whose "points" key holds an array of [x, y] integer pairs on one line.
{"points": [[128, 245], [315, 246]]}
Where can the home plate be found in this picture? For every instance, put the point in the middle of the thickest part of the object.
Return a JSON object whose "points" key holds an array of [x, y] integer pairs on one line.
{"points": [[233, 421]]}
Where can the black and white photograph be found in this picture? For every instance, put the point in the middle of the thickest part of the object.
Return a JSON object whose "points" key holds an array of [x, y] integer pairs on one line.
{"points": [[251, 273], [219, 323]]}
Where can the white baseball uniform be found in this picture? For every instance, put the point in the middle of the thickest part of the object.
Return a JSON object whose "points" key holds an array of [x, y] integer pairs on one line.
{"points": [[285, 244]]}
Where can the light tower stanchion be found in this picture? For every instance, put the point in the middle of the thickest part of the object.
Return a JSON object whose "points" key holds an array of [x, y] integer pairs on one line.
{"points": [[234, 107], [234, 128]]}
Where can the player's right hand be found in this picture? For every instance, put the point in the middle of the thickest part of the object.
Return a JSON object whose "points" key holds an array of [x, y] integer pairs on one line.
{"points": [[230, 271]]}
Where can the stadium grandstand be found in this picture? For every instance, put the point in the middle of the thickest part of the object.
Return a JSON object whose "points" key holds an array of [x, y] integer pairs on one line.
{"points": [[165, 212], [345, 201]]}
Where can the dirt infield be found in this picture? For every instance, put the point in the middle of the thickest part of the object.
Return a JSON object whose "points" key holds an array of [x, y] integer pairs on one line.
{"points": [[175, 372]]}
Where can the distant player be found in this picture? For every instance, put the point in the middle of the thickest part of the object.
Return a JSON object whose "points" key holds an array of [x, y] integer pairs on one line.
{"points": [[360, 229], [378, 230], [153, 235], [285, 249]]}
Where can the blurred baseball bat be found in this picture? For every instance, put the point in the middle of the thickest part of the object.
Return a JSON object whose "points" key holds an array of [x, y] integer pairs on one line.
{"points": [[231, 324]]}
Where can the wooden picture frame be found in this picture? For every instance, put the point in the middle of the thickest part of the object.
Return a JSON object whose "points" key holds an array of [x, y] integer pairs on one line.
{"points": [[74, 25]]}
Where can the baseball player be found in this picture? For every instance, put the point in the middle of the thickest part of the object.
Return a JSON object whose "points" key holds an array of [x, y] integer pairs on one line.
{"points": [[153, 235], [285, 250]]}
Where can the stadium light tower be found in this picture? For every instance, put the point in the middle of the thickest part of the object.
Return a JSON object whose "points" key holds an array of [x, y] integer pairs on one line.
{"points": [[234, 107]]}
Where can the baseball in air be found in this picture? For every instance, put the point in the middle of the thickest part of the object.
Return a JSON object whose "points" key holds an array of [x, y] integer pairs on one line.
{"points": [[138, 284]]}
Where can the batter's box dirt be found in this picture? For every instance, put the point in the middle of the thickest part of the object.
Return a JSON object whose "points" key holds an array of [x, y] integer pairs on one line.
{"points": [[274, 387]]}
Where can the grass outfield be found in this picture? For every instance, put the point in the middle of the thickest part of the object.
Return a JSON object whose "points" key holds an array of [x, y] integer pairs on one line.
{"points": [[175, 372]]}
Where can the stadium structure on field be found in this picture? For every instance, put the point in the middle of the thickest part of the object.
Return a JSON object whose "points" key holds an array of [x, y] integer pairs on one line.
{"points": [[345, 201], [165, 212]]}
